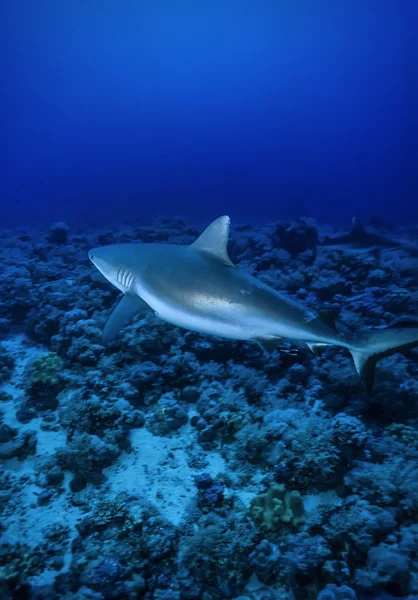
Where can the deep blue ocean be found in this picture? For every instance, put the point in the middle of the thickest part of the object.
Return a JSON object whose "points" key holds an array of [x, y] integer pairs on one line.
{"points": [[209, 300], [272, 109]]}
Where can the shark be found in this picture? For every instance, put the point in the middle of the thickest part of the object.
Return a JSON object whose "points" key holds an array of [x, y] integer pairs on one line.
{"points": [[197, 287], [361, 239]]}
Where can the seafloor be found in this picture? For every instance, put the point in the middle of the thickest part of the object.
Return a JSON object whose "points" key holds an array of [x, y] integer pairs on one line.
{"points": [[169, 465]]}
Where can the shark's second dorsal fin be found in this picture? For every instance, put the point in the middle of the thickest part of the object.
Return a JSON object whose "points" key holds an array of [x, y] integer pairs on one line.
{"points": [[328, 317], [214, 240], [357, 226]]}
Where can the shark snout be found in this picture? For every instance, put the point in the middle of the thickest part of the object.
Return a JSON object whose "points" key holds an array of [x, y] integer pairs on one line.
{"points": [[95, 255]]}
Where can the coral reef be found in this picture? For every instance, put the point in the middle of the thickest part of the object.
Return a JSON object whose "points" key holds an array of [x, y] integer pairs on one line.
{"points": [[43, 381], [276, 506], [7, 363], [169, 465], [58, 233]]}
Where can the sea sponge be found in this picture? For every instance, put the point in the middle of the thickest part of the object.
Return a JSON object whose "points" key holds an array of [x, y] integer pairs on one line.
{"points": [[276, 506], [44, 381], [403, 433], [45, 370]]}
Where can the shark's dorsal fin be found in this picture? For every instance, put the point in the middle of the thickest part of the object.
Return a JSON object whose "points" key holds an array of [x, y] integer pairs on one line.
{"points": [[214, 240]]}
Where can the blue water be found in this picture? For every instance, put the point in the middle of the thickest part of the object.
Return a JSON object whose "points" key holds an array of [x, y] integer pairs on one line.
{"points": [[125, 110], [141, 460]]}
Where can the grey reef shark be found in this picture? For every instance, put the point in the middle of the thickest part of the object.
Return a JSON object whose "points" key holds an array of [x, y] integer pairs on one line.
{"points": [[360, 239], [198, 288]]}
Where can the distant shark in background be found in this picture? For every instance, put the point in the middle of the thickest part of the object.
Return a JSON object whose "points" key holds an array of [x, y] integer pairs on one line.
{"points": [[197, 287], [360, 239]]}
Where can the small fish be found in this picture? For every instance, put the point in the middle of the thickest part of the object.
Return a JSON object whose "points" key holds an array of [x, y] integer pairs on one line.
{"points": [[198, 288]]}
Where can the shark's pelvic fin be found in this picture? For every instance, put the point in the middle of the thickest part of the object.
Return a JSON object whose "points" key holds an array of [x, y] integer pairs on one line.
{"points": [[268, 344], [214, 240], [122, 314], [317, 349]]}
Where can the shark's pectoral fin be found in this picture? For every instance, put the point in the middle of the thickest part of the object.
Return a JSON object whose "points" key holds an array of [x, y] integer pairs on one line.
{"points": [[317, 349], [268, 344], [214, 240], [122, 314]]}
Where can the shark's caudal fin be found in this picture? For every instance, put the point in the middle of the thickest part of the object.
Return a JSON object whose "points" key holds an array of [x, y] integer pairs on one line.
{"points": [[371, 346]]}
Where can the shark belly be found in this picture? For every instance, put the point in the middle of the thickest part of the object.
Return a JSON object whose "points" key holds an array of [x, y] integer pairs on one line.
{"points": [[198, 321], [211, 298], [207, 316], [221, 317]]}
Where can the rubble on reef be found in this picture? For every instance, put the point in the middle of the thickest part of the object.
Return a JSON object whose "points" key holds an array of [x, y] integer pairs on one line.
{"points": [[174, 466]]}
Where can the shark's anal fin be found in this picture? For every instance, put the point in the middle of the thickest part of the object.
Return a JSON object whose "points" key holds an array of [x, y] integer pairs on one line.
{"points": [[317, 349], [268, 344], [365, 366], [122, 314], [214, 240]]}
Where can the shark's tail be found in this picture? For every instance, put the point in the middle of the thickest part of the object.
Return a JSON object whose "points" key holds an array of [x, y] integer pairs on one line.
{"points": [[370, 346]]}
